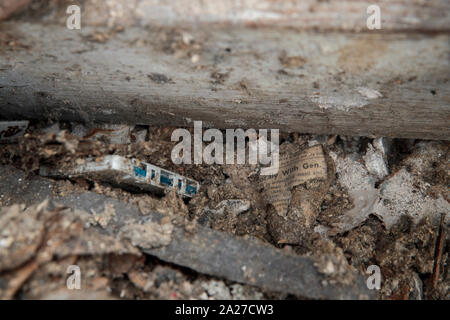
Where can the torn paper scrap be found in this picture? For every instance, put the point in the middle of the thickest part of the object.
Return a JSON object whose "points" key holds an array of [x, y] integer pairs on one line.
{"points": [[296, 167]]}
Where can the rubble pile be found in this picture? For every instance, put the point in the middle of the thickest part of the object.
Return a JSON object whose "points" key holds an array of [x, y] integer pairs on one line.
{"points": [[371, 201]]}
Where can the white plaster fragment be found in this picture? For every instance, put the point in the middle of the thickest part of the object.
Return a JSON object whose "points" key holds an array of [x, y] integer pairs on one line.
{"points": [[369, 93]]}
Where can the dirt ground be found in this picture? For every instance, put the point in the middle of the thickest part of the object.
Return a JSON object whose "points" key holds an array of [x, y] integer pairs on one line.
{"points": [[384, 202]]}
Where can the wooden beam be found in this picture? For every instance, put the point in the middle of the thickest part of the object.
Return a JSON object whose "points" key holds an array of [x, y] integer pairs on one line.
{"points": [[330, 15], [368, 84]]}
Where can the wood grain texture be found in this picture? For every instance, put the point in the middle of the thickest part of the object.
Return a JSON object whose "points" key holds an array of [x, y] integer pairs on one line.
{"points": [[348, 15], [370, 84]]}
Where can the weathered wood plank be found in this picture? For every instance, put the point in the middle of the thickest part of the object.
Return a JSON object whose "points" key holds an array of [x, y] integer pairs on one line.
{"points": [[242, 79], [349, 15]]}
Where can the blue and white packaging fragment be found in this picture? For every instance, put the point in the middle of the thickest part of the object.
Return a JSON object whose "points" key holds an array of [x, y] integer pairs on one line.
{"points": [[129, 173]]}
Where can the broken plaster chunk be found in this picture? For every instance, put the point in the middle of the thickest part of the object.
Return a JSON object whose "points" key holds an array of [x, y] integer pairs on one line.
{"points": [[331, 262], [402, 195], [383, 145], [399, 195], [239, 292], [6, 242], [187, 38], [353, 176], [217, 290], [416, 285], [322, 231], [364, 204], [375, 163], [369, 93], [149, 234], [139, 135], [232, 206]]}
